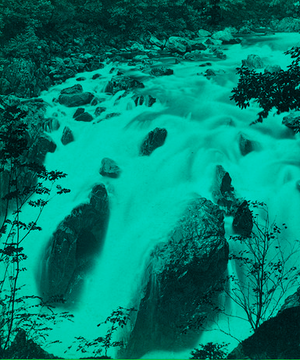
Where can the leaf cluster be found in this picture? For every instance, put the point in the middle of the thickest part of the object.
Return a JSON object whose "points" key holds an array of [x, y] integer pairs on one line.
{"points": [[279, 90]]}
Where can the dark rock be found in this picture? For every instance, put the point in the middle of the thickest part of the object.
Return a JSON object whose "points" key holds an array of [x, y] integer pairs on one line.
{"points": [[222, 190], [288, 24], [197, 45], [24, 348], [74, 246], [253, 62], [96, 76], [51, 125], [82, 78], [178, 44], [182, 271], [75, 89], [99, 110], [148, 100], [94, 102], [40, 148], [78, 112], [109, 168], [85, 116], [246, 146], [292, 121], [205, 64], [161, 71], [153, 140], [111, 115], [272, 69], [276, 338], [231, 41], [67, 136], [243, 220], [124, 83], [76, 99], [210, 72]]}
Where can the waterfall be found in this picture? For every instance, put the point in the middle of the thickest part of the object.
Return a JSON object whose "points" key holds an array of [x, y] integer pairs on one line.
{"points": [[146, 201]]}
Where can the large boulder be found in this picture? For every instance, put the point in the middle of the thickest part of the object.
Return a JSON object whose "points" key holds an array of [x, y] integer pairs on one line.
{"points": [[74, 245], [161, 71], [224, 35], [76, 99], [122, 83], [182, 271], [75, 89], [153, 140], [276, 338], [178, 44], [67, 136], [253, 62]]}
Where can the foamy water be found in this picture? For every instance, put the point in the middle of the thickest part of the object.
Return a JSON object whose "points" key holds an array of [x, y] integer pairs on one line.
{"points": [[203, 128]]}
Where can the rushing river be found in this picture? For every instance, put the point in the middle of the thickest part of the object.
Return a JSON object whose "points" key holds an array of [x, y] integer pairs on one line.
{"points": [[203, 128]]}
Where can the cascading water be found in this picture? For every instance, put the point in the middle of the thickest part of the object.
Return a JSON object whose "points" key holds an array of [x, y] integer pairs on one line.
{"points": [[148, 198]]}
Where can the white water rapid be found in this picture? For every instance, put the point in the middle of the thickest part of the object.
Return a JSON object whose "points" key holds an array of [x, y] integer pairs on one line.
{"points": [[148, 198]]}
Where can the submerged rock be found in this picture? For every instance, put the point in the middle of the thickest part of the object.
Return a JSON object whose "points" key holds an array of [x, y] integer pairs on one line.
{"points": [[153, 140], [182, 271], [73, 246], [246, 146], [161, 71], [122, 83]]}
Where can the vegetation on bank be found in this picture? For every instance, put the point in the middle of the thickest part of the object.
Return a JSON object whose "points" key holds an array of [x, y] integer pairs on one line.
{"points": [[43, 28]]}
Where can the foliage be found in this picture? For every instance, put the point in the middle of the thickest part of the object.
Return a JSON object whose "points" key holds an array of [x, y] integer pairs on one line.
{"points": [[16, 311], [27, 45], [280, 90], [210, 351], [118, 319], [265, 275]]}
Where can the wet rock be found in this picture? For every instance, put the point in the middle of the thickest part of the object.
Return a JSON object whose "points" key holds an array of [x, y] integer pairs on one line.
{"points": [[75, 89], [292, 121], [81, 78], [51, 125], [124, 83], [99, 110], [246, 146], [276, 338], [96, 76], [24, 348], [253, 62], [74, 246], [76, 99], [109, 168], [153, 140], [111, 115], [178, 45], [85, 116], [224, 35], [272, 69], [162, 71], [203, 33], [210, 73], [243, 220], [156, 42], [37, 152], [67, 136], [148, 100], [222, 190], [78, 112], [197, 45], [181, 272]]}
